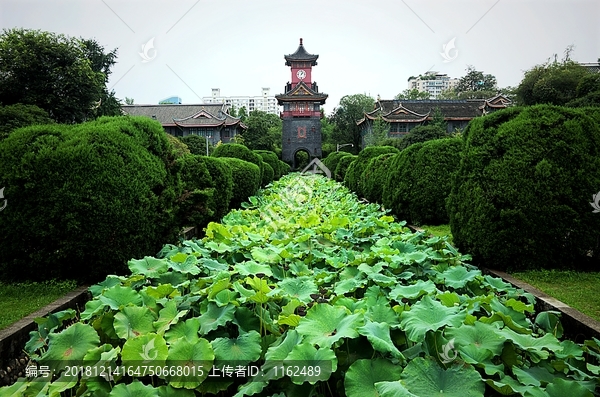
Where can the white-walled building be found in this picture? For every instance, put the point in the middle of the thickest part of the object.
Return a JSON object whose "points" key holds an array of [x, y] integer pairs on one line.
{"points": [[265, 102], [433, 83]]}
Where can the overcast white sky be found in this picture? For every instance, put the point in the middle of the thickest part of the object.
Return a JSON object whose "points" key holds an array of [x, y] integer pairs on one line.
{"points": [[370, 47]]}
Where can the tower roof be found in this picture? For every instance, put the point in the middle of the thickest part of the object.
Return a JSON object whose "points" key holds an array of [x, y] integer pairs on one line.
{"points": [[301, 55]]}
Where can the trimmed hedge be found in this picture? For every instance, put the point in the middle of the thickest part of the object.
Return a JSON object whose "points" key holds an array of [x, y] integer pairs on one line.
{"points": [[222, 182], [355, 170], [271, 158], [419, 180], [246, 180], [521, 196], [84, 199], [268, 174], [20, 115], [342, 166], [374, 176], [331, 161], [284, 167], [241, 152], [195, 207]]}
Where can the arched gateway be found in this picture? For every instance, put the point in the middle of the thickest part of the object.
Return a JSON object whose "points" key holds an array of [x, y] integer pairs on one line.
{"points": [[301, 108]]}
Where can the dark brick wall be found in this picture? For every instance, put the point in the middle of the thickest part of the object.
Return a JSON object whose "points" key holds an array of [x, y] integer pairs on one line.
{"points": [[298, 134]]}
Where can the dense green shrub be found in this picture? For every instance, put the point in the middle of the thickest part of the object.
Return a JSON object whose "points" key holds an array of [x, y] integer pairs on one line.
{"points": [[222, 181], [419, 181], [246, 180], [241, 152], [395, 142], [84, 199], [374, 176], [195, 206], [196, 144], [19, 115], [342, 165], [284, 167], [355, 170], [521, 195], [268, 175], [271, 158], [180, 148], [331, 161]]}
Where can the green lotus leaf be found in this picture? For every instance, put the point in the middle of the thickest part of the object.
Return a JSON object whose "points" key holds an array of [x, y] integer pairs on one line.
{"points": [[569, 350], [244, 292], [92, 308], [212, 265], [349, 285], [428, 315], [379, 336], [170, 391], [424, 377], [244, 349], [225, 297], [362, 376], [188, 266], [174, 278], [534, 376], [279, 350], [215, 316], [146, 349], [263, 255], [508, 386], [449, 299], [413, 291], [134, 389], [352, 304], [169, 315], [61, 384], [519, 306], [246, 319], [71, 344], [117, 297], [534, 346], [416, 256], [549, 321], [251, 268], [104, 356], [161, 291], [497, 284], [324, 324], [458, 276], [133, 321], [149, 266], [382, 313], [250, 389], [477, 338], [299, 288], [392, 389], [18, 388], [195, 359], [304, 356], [184, 330], [109, 282]]}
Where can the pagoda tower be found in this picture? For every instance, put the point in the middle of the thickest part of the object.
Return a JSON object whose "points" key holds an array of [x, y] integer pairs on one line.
{"points": [[301, 108]]}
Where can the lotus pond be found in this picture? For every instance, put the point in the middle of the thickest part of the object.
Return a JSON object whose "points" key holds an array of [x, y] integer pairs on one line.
{"points": [[306, 277]]}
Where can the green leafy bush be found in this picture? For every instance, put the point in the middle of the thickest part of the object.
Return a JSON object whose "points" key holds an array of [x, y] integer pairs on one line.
{"points": [[180, 148], [284, 167], [521, 196], [371, 308], [342, 165], [374, 176], [271, 158], [196, 144], [331, 161], [419, 181], [246, 180], [19, 115], [355, 170], [195, 207], [268, 174], [222, 182], [84, 199]]}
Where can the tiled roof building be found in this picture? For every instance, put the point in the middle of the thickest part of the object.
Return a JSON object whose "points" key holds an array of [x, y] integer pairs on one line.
{"points": [[404, 115], [206, 120]]}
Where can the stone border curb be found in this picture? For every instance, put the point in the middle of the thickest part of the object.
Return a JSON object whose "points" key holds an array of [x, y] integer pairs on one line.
{"points": [[577, 326], [15, 336]]}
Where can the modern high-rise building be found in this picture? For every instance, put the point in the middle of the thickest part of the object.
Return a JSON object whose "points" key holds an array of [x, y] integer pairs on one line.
{"points": [[266, 102], [433, 83]]}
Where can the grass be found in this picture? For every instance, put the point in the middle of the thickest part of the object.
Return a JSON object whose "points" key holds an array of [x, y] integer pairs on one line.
{"points": [[18, 300], [579, 290]]}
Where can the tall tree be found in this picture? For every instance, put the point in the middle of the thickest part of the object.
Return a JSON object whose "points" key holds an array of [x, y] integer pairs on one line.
{"points": [[412, 94], [264, 130], [50, 71], [243, 114], [475, 81], [351, 109], [102, 62], [378, 133]]}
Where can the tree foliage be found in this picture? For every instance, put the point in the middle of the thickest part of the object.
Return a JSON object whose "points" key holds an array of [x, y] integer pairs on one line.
{"points": [[19, 115], [474, 85], [264, 131], [196, 144], [64, 76], [412, 94], [353, 175], [351, 109], [422, 133]]}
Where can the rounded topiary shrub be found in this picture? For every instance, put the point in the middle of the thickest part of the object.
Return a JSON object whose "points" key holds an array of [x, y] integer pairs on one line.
{"points": [[270, 158], [195, 206], [352, 178], [268, 174], [521, 195], [419, 180], [222, 181], [284, 168], [331, 161], [239, 152], [374, 176], [246, 180], [342, 166], [85, 199]]}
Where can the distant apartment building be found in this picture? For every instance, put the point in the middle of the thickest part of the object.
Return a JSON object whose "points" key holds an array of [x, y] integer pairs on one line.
{"points": [[266, 102], [433, 83], [174, 100]]}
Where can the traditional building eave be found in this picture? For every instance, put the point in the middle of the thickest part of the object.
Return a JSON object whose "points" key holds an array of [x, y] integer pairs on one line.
{"points": [[300, 55]]}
